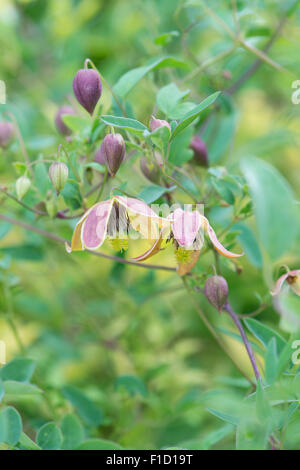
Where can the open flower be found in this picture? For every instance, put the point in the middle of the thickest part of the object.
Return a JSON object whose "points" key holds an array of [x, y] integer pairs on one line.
{"points": [[186, 228], [293, 280], [114, 219]]}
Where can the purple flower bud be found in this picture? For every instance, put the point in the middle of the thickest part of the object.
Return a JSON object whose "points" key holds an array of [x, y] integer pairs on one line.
{"points": [[6, 132], [61, 126], [200, 151], [157, 123], [216, 291], [100, 156], [58, 174], [151, 170], [113, 151], [87, 88]]}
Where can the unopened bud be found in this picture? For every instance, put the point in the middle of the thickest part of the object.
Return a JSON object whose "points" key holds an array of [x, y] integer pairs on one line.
{"points": [[216, 291], [151, 170], [113, 151], [87, 88], [22, 186], [100, 156], [58, 174], [61, 126], [6, 132], [157, 123], [200, 151]]}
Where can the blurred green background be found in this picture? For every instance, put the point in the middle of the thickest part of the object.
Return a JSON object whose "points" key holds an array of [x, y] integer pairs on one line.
{"points": [[130, 339]]}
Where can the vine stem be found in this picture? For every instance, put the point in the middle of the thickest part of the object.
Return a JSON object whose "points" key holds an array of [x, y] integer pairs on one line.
{"points": [[59, 239], [213, 332], [227, 307]]}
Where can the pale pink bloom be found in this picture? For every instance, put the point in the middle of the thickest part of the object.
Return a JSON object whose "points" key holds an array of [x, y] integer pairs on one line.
{"points": [[112, 218], [293, 280]]}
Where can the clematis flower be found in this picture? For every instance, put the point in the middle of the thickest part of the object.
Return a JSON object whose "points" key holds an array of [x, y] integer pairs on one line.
{"points": [[292, 278], [113, 219], [186, 229]]}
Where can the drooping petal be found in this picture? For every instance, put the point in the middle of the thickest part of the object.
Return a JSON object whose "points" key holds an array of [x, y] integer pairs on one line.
{"points": [[76, 244], [279, 284], [218, 246], [142, 218], [155, 248], [185, 267], [95, 225], [293, 279], [186, 225]]}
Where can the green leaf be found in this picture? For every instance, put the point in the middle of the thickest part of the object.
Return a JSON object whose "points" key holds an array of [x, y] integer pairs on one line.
{"points": [[193, 114], [96, 166], [168, 97], [75, 123], [16, 390], [271, 360], [132, 384], [71, 195], [179, 149], [20, 370], [208, 441], [276, 215], [166, 38], [263, 409], [264, 333], [86, 409], [128, 81], [249, 244], [153, 192], [41, 178], [26, 443], [99, 444], [72, 432], [10, 426], [49, 437], [124, 123], [224, 416]]}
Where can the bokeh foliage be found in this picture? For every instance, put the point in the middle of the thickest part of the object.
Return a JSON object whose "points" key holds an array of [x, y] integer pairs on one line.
{"points": [[103, 355]]}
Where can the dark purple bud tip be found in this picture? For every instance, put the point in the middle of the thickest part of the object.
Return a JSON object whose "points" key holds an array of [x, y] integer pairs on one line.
{"points": [[200, 151], [216, 291], [87, 88], [113, 150], [157, 123], [61, 126], [6, 133]]}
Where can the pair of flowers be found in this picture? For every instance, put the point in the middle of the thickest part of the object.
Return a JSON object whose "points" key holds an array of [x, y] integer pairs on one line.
{"points": [[121, 217]]}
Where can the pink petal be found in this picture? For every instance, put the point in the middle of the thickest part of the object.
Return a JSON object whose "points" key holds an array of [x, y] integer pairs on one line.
{"points": [[136, 206], [95, 226], [283, 278], [218, 246], [186, 225]]}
